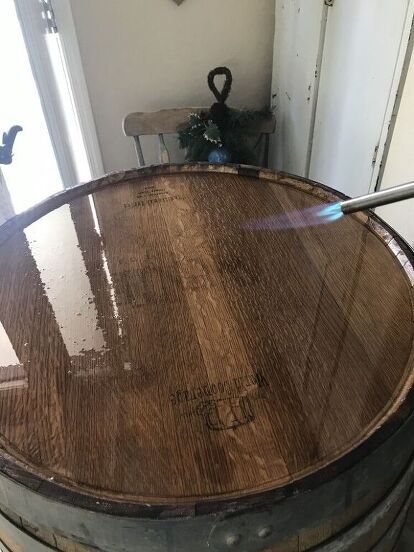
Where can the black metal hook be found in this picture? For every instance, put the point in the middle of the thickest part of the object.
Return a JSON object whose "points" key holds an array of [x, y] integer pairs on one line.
{"points": [[6, 150]]}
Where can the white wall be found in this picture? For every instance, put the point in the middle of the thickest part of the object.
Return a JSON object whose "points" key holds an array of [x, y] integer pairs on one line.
{"points": [[144, 55], [399, 167]]}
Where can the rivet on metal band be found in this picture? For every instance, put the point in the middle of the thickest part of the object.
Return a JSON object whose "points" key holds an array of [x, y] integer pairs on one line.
{"points": [[233, 539], [264, 532]]}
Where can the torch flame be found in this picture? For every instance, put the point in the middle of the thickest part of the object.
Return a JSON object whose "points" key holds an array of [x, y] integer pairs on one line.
{"points": [[312, 216]]}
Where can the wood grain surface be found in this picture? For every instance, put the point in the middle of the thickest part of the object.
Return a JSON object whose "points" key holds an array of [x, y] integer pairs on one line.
{"points": [[156, 347]]}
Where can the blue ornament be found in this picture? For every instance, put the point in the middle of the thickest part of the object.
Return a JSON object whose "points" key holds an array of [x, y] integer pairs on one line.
{"points": [[219, 155]]}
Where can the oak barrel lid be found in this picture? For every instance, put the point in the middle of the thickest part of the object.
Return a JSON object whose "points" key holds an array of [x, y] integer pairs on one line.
{"points": [[173, 337]]}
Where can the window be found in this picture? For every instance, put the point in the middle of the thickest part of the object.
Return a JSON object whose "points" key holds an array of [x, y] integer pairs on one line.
{"points": [[44, 91]]}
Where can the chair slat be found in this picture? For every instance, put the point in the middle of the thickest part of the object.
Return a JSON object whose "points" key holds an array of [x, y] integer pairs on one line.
{"points": [[266, 150], [138, 149], [164, 155], [166, 121]]}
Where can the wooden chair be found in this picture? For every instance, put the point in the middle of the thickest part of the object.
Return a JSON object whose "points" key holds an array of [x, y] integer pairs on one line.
{"points": [[169, 121]]}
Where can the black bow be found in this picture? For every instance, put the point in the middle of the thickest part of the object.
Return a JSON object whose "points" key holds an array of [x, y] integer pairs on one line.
{"points": [[224, 94], [218, 110]]}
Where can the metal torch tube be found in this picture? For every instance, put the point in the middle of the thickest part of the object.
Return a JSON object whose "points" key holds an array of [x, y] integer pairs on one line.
{"points": [[376, 199]]}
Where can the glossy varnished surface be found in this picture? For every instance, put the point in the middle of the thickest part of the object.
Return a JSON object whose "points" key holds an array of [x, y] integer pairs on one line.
{"points": [[155, 348]]}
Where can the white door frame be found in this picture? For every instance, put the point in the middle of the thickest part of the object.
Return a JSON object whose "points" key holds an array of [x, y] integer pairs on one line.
{"points": [[400, 77], [29, 13], [318, 72], [298, 49], [6, 205], [295, 87], [72, 55]]}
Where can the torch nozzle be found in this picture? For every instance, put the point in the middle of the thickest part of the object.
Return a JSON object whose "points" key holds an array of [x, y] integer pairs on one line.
{"points": [[376, 199]]}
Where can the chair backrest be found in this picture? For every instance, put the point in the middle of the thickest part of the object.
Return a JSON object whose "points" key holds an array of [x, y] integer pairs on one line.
{"points": [[169, 121]]}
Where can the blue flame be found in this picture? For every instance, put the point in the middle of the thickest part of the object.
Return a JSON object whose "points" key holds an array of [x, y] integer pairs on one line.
{"points": [[331, 212], [312, 216]]}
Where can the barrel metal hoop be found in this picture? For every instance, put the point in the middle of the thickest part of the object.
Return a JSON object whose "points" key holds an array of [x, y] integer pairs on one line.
{"points": [[255, 532]]}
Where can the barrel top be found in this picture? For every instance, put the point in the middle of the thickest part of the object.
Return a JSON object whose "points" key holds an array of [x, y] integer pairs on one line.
{"points": [[190, 335]]}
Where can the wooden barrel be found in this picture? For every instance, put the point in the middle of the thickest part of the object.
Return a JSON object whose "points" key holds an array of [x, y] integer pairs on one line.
{"points": [[192, 359]]}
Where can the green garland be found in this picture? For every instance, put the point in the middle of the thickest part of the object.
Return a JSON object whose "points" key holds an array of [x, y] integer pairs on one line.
{"points": [[202, 135]]}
